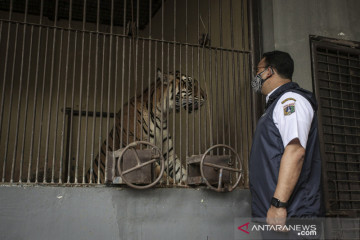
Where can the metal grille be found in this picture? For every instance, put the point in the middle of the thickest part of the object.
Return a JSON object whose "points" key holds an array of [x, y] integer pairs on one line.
{"points": [[337, 85], [69, 67]]}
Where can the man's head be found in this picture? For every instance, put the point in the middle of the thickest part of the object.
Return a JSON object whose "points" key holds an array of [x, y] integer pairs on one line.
{"points": [[275, 69], [281, 62]]}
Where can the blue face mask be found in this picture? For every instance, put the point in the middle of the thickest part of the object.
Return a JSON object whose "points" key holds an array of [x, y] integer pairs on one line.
{"points": [[257, 82]]}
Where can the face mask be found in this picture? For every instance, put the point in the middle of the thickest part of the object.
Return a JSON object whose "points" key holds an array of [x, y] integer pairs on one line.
{"points": [[257, 82]]}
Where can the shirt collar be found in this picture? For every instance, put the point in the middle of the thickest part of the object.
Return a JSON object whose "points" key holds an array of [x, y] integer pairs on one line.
{"points": [[268, 96]]}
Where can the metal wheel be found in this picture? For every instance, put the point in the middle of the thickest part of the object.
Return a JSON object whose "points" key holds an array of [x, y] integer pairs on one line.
{"points": [[221, 169], [132, 147]]}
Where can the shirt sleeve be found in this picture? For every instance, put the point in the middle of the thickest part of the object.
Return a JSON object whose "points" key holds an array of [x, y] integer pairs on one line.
{"points": [[293, 116]]}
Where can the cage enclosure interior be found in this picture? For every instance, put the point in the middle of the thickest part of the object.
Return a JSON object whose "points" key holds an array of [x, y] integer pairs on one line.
{"points": [[85, 78]]}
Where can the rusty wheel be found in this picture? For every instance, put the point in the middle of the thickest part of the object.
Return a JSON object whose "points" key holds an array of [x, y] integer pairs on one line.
{"points": [[221, 169], [155, 157]]}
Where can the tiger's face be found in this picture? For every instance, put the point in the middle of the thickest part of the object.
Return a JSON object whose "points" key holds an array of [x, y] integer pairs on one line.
{"points": [[187, 93]]}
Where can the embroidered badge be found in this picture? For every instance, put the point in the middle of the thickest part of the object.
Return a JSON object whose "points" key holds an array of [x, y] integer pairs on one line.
{"points": [[289, 109], [288, 100]]}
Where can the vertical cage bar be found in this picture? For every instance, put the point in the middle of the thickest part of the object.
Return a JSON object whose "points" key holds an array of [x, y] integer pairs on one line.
{"points": [[3, 92], [101, 109], [50, 96], [187, 94], [4, 78], [95, 96], [131, 50], [109, 87], [64, 115], [136, 70], [80, 95], [70, 117], [20, 94], [228, 98], [209, 94], [174, 92], [155, 92], [87, 110], [149, 79], [11, 100], [123, 80], [58, 94], [128, 94], [222, 70], [193, 115], [57, 109], [236, 100], [162, 80], [203, 67], [239, 84], [72, 109], [4, 82], [248, 71], [115, 99], [135, 38], [115, 96], [167, 112], [234, 78], [35, 94], [203, 70], [26, 105], [217, 97], [142, 92], [180, 112], [42, 108], [198, 68]]}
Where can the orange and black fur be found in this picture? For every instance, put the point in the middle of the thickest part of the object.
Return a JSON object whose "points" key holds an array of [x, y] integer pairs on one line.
{"points": [[177, 92]]}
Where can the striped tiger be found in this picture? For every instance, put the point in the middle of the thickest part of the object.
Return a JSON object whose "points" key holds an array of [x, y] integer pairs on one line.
{"points": [[149, 121]]}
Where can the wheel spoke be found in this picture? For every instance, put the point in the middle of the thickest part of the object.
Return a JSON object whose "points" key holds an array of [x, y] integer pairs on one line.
{"points": [[139, 166], [220, 179], [222, 167], [136, 156]]}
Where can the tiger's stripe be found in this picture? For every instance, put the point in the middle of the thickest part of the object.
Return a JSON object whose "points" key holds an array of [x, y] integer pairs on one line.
{"points": [[151, 122]]}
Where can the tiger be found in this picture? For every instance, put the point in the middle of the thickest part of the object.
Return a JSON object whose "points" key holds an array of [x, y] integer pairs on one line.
{"points": [[151, 119]]}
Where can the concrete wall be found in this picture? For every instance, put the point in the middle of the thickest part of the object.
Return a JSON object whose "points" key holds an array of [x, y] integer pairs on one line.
{"points": [[109, 213], [287, 26]]}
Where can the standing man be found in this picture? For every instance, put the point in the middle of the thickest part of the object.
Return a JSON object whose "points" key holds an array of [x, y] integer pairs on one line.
{"points": [[285, 163]]}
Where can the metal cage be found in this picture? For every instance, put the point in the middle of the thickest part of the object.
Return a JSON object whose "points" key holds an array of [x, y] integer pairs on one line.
{"points": [[71, 68]]}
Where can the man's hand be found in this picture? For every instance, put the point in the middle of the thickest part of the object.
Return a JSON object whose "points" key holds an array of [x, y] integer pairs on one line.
{"points": [[276, 216], [290, 169]]}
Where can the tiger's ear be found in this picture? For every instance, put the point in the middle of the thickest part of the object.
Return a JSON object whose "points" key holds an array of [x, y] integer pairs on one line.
{"points": [[177, 74], [159, 73]]}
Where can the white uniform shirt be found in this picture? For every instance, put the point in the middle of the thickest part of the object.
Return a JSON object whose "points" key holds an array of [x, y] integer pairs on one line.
{"points": [[293, 116]]}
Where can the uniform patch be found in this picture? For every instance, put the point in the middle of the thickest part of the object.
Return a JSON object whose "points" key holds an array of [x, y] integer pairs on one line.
{"points": [[288, 100], [289, 109]]}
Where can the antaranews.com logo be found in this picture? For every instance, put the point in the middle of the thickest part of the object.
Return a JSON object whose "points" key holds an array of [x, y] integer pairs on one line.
{"points": [[299, 228]]}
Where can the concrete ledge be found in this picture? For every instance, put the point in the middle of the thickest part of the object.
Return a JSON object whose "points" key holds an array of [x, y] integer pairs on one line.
{"points": [[111, 213]]}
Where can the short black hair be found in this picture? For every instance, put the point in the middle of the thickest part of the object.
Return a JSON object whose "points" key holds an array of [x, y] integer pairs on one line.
{"points": [[282, 62]]}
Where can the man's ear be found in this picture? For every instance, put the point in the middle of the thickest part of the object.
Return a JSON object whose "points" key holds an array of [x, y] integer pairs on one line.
{"points": [[272, 70]]}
